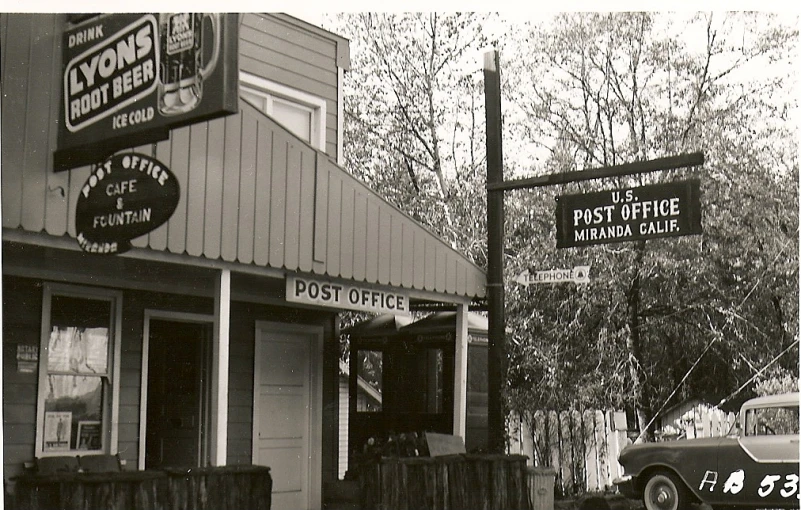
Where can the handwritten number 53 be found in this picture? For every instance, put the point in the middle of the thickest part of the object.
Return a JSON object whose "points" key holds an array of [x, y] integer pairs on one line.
{"points": [[769, 482]]}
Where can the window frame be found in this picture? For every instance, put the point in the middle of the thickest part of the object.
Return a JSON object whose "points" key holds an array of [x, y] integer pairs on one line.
{"points": [[357, 375], [111, 399], [756, 415], [271, 90]]}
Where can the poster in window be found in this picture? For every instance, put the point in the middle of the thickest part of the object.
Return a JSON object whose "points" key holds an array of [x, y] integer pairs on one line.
{"points": [[89, 435], [57, 430]]}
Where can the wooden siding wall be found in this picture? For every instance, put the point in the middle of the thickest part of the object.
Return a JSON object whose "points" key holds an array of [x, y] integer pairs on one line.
{"points": [[250, 192], [22, 317], [272, 48], [28, 45], [22, 301]]}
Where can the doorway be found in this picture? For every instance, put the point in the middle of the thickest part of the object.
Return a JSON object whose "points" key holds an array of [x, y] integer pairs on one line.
{"points": [[287, 405], [178, 393]]}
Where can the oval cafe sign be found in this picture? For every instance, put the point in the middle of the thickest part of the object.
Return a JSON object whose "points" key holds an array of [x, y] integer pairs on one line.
{"points": [[126, 196]]}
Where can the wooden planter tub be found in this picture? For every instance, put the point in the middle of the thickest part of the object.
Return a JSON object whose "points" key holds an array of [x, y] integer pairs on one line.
{"points": [[455, 482], [212, 488]]}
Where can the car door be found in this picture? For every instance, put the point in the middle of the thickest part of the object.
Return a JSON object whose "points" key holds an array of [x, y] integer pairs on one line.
{"points": [[765, 470], [771, 434]]}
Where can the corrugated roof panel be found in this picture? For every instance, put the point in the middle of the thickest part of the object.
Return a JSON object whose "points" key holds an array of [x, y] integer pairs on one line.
{"points": [[179, 164], [252, 192], [263, 189], [395, 250], [334, 225], [307, 206], [346, 234], [384, 246], [250, 151], [196, 188], [230, 193], [214, 187], [292, 232]]}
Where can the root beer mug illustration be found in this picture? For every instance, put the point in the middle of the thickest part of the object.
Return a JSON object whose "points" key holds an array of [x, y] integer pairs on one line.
{"points": [[183, 45]]}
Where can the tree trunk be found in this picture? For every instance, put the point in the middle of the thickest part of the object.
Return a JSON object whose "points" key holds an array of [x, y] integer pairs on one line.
{"points": [[634, 342]]}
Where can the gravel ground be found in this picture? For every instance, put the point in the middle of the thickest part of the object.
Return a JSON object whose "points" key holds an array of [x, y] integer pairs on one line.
{"points": [[611, 502]]}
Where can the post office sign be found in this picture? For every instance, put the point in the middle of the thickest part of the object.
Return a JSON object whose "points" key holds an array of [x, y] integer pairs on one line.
{"points": [[126, 196], [346, 296], [646, 212]]}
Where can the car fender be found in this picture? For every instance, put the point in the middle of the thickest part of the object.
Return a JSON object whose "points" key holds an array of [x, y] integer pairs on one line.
{"points": [[679, 457]]}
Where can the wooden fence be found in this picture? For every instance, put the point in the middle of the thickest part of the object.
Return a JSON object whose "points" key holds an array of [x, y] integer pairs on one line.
{"points": [[583, 446], [694, 420]]}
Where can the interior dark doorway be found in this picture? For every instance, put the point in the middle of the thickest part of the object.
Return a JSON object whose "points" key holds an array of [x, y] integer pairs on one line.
{"points": [[178, 392]]}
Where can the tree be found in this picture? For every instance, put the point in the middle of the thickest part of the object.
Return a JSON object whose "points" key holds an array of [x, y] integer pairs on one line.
{"points": [[413, 117], [666, 318], [661, 320]]}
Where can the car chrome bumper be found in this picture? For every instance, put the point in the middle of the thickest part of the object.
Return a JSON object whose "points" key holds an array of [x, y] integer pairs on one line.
{"points": [[625, 485]]}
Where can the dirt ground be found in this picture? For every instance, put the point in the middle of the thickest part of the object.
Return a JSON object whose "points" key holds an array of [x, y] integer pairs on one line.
{"points": [[609, 502], [599, 502]]}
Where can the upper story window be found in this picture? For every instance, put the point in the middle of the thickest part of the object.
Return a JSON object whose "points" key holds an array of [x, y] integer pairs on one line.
{"points": [[77, 404], [301, 113]]}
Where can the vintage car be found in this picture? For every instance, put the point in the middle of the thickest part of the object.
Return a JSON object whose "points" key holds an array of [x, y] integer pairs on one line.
{"points": [[754, 466]]}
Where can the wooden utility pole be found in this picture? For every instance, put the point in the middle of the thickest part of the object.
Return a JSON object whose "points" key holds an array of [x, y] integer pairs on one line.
{"points": [[497, 359]]}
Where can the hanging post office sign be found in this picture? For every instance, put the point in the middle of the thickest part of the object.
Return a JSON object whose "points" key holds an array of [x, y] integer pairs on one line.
{"points": [[129, 78], [126, 196], [647, 212], [344, 296]]}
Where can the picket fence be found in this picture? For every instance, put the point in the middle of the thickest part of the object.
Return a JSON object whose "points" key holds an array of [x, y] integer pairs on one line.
{"points": [[583, 446], [694, 420]]}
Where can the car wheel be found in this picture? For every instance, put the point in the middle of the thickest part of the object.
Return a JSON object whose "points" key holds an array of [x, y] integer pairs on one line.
{"points": [[664, 491]]}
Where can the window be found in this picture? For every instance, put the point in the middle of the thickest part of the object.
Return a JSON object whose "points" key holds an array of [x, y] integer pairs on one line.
{"points": [[369, 380], [301, 113], [418, 375], [76, 404], [770, 421]]}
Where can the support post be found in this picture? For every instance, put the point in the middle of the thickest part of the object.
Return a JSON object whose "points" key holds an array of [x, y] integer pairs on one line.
{"points": [[219, 377], [460, 373], [496, 362]]}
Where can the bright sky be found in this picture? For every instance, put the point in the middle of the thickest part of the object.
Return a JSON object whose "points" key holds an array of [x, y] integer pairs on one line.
{"points": [[311, 10]]}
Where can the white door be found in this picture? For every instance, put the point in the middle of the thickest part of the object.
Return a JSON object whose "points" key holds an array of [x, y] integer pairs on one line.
{"points": [[287, 430]]}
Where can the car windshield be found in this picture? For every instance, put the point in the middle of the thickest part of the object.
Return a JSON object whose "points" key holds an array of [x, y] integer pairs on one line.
{"points": [[768, 421]]}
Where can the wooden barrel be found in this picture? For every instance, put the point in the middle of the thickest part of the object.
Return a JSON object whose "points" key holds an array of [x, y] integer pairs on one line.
{"points": [[212, 488], [136, 490], [456, 482], [223, 487]]}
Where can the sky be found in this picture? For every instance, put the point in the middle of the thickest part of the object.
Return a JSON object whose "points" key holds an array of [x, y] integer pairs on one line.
{"points": [[311, 10]]}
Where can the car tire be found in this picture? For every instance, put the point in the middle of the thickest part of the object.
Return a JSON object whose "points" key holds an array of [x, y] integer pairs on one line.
{"points": [[665, 491]]}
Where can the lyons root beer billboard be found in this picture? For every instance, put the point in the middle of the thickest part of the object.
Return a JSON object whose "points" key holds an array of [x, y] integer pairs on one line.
{"points": [[128, 78], [647, 212]]}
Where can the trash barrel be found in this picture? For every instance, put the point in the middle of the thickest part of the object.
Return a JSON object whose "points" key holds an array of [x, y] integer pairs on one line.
{"points": [[541, 482]]}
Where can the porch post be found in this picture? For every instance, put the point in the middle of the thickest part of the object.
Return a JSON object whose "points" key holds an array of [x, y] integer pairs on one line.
{"points": [[219, 376], [460, 373]]}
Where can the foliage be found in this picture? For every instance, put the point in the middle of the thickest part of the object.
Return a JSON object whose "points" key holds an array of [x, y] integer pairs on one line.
{"points": [[661, 320], [671, 318], [414, 119], [784, 383]]}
